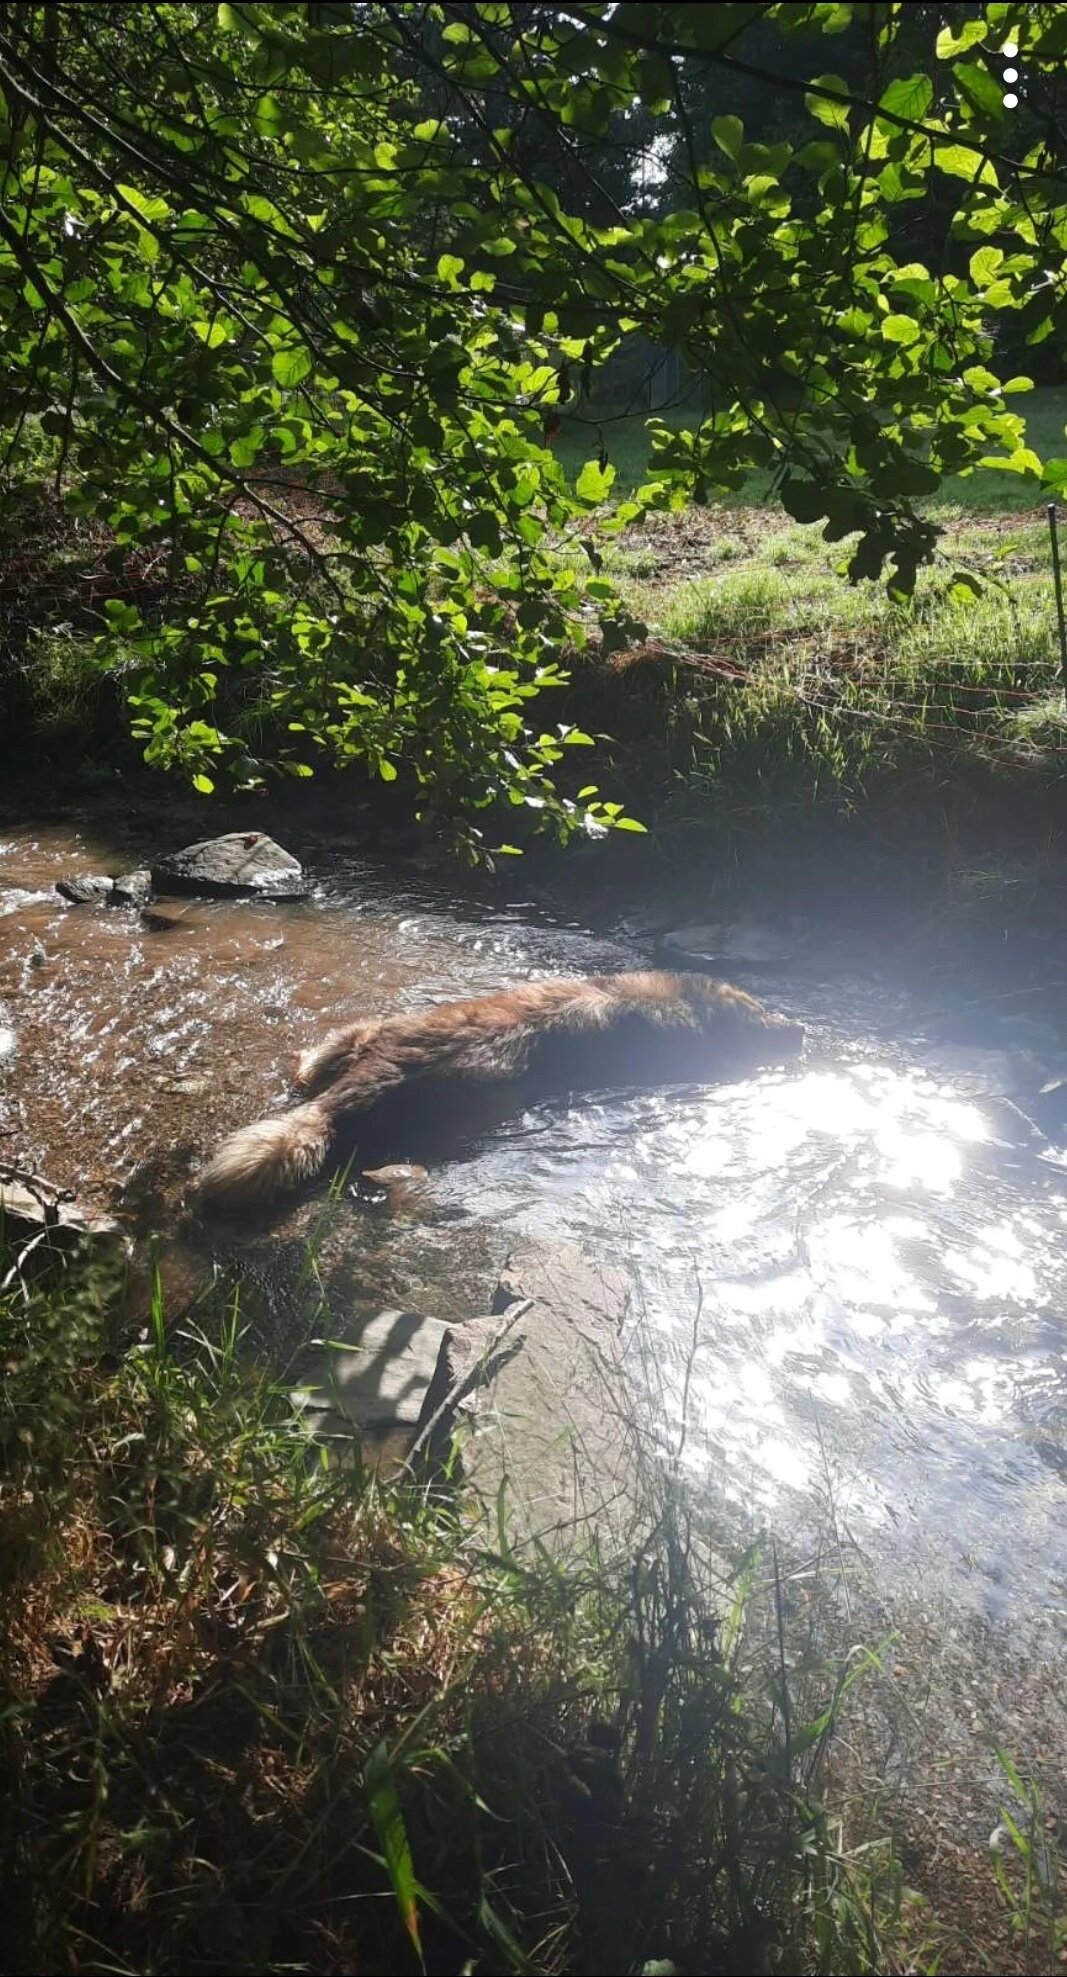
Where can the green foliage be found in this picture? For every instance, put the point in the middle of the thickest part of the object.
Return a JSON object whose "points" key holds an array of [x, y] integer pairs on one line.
{"points": [[296, 297]]}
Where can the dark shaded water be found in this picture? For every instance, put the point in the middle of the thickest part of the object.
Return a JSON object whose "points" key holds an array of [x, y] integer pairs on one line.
{"points": [[850, 1270]]}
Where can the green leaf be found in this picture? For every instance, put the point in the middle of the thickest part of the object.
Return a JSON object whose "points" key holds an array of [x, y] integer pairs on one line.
{"points": [[962, 161], [1052, 42], [900, 329], [629, 824], [835, 115], [594, 482], [150, 208], [483, 531], [388, 1818], [245, 450], [291, 364], [909, 96], [979, 90], [387, 770], [729, 134], [204, 784], [1023, 461], [211, 332], [985, 264], [951, 42], [803, 500]]}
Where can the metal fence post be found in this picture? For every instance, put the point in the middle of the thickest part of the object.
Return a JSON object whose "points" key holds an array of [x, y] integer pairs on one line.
{"points": [[1057, 578]]}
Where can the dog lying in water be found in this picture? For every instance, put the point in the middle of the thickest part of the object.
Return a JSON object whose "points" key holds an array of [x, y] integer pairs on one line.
{"points": [[383, 1078]]}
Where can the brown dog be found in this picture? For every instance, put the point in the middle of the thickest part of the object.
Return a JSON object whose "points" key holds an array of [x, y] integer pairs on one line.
{"points": [[544, 1036]]}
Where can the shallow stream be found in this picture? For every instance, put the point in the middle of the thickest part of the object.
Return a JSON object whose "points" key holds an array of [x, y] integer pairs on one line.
{"points": [[853, 1271]]}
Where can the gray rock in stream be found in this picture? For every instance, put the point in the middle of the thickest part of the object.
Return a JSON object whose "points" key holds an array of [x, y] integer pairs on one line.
{"points": [[243, 864], [132, 888], [1011, 1086], [85, 892], [732, 943]]}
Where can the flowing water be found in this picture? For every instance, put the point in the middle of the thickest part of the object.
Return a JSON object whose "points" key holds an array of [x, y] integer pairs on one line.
{"points": [[853, 1276]]}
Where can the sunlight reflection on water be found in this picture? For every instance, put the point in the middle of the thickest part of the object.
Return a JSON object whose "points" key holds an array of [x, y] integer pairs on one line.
{"points": [[856, 1286], [872, 1272]]}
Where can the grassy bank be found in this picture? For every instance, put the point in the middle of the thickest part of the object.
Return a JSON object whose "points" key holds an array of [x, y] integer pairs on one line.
{"points": [[789, 684], [776, 715], [261, 1714]]}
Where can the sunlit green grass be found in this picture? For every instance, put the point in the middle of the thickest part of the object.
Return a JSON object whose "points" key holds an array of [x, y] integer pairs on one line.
{"points": [[985, 492], [787, 686]]}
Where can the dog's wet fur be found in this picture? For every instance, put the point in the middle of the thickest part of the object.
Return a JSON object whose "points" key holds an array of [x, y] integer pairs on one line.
{"points": [[394, 1084]]}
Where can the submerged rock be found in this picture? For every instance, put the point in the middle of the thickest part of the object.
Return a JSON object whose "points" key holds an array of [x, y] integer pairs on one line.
{"points": [[983, 1070], [557, 1426], [1048, 1109], [132, 889], [163, 923], [401, 1174], [731, 943], [242, 864], [85, 892]]}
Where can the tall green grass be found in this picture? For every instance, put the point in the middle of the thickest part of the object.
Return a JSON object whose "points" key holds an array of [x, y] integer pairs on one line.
{"points": [[265, 1712], [772, 686]]}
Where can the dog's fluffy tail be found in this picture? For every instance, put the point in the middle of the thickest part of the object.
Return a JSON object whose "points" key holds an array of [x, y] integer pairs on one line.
{"points": [[268, 1159]]}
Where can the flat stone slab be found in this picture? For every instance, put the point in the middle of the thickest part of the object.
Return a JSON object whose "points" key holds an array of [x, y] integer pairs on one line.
{"points": [[554, 1432], [394, 1374], [242, 864], [982, 1070]]}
